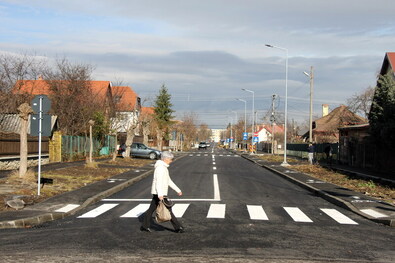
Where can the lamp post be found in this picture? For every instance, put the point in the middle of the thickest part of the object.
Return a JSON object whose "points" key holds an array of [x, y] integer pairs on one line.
{"points": [[311, 77], [245, 114], [252, 116], [286, 102], [235, 137]]}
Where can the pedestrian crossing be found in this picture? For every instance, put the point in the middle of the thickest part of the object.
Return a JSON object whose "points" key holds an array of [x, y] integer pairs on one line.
{"points": [[219, 211]]}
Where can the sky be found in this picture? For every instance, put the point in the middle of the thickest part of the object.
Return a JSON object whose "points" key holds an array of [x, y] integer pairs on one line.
{"points": [[206, 51]]}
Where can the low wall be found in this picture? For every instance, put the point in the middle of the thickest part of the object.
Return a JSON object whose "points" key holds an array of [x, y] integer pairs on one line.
{"points": [[11, 163]]}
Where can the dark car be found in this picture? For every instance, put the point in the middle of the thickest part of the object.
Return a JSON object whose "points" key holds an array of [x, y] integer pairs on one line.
{"points": [[141, 150], [202, 145]]}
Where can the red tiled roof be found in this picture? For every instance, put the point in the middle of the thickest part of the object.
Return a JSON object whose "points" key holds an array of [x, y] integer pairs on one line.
{"points": [[391, 58], [125, 98], [36, 87], [147, 110], [277, 129]]}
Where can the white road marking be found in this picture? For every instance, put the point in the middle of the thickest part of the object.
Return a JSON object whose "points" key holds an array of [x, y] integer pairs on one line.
{"points": [[98, 211], [339, 217], [179, 209], [256, 212], [149, 200], [214, 168], [297, 214], [216, 211], [216, 188], [136, 211], [67, 208], [213, 163], [373, 213]]}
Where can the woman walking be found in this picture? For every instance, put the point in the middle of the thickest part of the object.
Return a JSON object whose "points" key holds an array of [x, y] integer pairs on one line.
{"points": [[160, 185]]}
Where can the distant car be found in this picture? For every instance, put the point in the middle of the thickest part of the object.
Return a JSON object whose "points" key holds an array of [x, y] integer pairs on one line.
{"points": [[202, 145], [141, 150]]}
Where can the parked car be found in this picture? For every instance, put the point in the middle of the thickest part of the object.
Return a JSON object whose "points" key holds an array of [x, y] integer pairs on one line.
{"points": [[202, 145], [141, 150]]}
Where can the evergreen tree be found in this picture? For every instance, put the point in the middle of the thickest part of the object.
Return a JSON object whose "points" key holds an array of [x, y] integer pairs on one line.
{"points": [[163, 111], [382, 112], [163, 114]]}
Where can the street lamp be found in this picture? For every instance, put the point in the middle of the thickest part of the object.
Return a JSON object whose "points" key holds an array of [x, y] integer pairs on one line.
{"points": [[286, 102], [235, 137], [253, 121], [245, 114], [311, 77]]}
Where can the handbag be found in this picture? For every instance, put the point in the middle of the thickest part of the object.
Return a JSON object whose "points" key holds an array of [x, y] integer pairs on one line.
{"points": [[162, 213]]}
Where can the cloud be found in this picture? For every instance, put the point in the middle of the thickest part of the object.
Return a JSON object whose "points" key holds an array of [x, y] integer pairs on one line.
{"points": [[205, 52]]}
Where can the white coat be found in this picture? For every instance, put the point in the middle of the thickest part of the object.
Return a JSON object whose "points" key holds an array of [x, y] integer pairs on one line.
{"points": [[162, 180]]}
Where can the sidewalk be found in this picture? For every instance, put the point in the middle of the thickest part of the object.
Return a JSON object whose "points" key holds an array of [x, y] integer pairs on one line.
{"points": [[368, 207], [69, 203]]}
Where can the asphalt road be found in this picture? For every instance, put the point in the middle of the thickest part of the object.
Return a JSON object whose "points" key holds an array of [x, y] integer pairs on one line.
{"points": [[233, 211]]}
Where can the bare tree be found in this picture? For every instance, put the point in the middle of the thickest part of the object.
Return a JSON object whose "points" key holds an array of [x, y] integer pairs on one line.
{"points": [[204, 132], [146, 120], [24, 111], [188, 128], [360, 103], [13, 69], [71, 96]]}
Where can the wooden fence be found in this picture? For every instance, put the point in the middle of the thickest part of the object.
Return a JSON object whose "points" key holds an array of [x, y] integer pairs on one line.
{"points": [[10, 144]]}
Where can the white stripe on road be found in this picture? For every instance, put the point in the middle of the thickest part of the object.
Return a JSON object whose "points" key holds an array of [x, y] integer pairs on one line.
{"points": [[216, 211], [214, 168], [216, 188], [67, 208], [136, 211], [256, 212], [213, 163], [339, 217], [297, 214], [98, 211], [373, 213], [179, 209]]}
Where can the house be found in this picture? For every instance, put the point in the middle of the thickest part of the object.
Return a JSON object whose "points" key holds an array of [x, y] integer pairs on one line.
{"points": [[388, 65], [266, 132], [326, 128], [128, 109]]}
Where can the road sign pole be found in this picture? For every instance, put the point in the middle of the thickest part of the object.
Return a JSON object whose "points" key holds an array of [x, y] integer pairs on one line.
{"points": [[39, 144]]}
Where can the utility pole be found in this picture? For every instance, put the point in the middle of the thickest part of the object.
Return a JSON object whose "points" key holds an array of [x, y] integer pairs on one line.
{"points": [[273, 120]]}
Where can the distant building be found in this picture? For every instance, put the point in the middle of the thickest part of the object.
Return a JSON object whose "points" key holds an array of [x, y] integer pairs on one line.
{"points": [[216, 134]]}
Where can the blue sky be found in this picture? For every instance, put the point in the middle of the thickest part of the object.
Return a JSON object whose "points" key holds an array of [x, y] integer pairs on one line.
{"points": [[206, 51]]}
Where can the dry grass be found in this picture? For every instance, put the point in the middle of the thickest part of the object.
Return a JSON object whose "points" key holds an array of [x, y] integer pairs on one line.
{"points": [[65, 180], [367, 187]]}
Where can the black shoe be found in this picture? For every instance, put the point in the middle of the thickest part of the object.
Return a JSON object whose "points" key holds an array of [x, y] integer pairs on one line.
{"points": [[180, 230], [145, 229]]}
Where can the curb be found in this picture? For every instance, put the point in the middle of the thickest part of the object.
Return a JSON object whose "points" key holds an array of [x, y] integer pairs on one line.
{"points": [[47, 217], [328, 197], [40, 219]]}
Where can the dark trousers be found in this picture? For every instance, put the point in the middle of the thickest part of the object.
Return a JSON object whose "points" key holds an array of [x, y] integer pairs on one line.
{"points": [[148, 214]]}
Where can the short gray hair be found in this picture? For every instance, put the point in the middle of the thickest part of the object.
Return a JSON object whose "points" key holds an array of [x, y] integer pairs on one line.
{"points": [[167, 155]]}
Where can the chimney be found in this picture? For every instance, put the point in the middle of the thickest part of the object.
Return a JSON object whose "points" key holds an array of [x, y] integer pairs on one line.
{"points": [[40, 77], [325, 109]]}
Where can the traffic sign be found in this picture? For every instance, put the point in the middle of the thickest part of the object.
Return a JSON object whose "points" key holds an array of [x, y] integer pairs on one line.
{"points": [[245, 136], [45, 104], [45, 125], [256, 139]]}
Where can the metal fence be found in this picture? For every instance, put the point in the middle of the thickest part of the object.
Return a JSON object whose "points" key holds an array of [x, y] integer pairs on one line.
{"points": [[75, 147]]}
